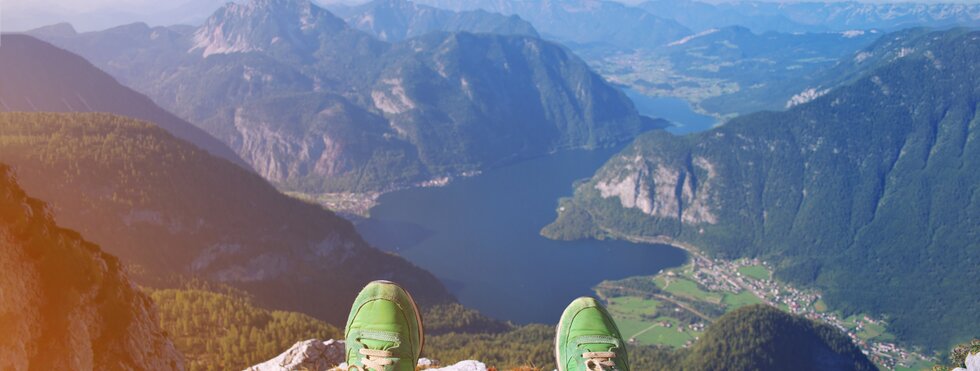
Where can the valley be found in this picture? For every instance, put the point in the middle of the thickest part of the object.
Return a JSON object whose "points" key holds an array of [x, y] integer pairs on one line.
{"points": [[743, 185], [673, 307], [733, 70]]}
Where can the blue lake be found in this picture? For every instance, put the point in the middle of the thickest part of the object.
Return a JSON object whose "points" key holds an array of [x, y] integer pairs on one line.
{"points": [[672, 109], [480, 236]]}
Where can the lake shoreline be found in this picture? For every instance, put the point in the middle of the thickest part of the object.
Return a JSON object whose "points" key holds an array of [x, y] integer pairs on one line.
{"points": [[467, 231]]}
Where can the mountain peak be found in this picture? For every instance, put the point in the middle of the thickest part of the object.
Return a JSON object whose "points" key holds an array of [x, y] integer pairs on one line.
{"points": [[62, 29], [261, 25], [396, 20]]}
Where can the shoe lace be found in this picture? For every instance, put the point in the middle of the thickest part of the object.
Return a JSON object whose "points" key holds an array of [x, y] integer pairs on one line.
{"points": [[376, 359], [599, 360]]}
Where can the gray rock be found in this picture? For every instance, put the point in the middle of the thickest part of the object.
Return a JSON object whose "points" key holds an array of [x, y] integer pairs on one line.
{"points": [[973, 362], [311, 355], [316, 355], [464, 366]]}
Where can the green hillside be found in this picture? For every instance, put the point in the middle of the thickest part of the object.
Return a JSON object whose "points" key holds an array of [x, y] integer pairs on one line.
{"points": [[759, 337], [868, 193], [225, 331], [167, 208]]}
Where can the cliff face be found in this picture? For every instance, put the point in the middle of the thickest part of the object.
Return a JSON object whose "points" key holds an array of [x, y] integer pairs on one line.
{"points": [[66, 305], [316, 106]]}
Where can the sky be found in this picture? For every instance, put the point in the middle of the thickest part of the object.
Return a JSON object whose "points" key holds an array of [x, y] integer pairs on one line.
{"points": [[87, 15], [90, 5]]}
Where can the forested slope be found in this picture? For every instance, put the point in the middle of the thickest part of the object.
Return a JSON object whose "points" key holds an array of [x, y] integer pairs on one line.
{"points": [[868, 193]]}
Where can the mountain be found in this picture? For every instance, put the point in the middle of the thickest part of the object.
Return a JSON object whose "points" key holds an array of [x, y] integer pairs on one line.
{"points": [[825, 61], [581, 23], [732, 70], [783, 70], [700, 16], [170, 211], [768, 68], [760, 337], [866, 193], [724, 69], [812, 16], [396, 20], [66, 304], [38, 77], [26, 15], [316, 106]]}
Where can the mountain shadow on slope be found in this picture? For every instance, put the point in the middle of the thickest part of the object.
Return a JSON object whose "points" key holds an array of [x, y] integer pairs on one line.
{"points": [[170, 210]]}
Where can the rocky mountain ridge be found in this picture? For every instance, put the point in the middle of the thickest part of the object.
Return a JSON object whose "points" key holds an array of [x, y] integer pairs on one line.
{"points": [[316, 106], [66, 304], [810, 16], [610, 24], [396, 20]]}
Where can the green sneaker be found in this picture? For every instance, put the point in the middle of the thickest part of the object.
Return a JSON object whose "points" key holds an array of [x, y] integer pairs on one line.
{"points": [[384, 329], [588, 339]]}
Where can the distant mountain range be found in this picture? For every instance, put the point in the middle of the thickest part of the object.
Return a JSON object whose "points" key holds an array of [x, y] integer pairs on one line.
{"points": [[396, 20], [66, 304], [172, 212], [813, 16], [867, 192], [734, 70], [583, 23], [808, 69], [316, 106], [726, 58], [99, 15], [760, 16]]}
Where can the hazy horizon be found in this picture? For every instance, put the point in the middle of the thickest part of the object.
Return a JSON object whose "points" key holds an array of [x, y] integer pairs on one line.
{"points": [[23, 15]]}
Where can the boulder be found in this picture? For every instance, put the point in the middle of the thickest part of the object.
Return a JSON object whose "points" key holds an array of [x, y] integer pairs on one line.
{"points": [[317, 355], [973, 362], [463, 366], [311, 355]]}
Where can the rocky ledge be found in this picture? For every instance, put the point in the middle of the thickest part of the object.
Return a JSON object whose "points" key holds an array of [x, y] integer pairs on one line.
{"points": [[972, 363], [318, 355]]}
